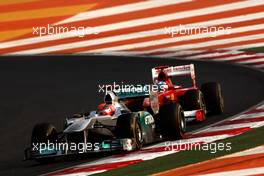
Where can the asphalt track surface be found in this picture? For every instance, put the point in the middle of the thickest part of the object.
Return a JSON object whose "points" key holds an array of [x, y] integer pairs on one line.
{"points": [[46, 89]]}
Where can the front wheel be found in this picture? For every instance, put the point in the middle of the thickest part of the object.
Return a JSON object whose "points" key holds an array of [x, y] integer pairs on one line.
{"points": [[42, 133], [128, 126]]}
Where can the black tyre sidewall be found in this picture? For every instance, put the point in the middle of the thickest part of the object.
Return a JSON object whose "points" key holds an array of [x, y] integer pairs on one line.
{"points": [[43, 132], [171, 116], [127, 126], [192, 100], [213, 97]]}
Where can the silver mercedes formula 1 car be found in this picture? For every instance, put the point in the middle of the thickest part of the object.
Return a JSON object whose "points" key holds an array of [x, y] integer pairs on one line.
{"points": [[112, 127]]}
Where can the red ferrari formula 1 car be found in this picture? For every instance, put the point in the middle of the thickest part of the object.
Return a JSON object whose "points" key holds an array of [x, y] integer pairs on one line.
{"points": [[174, 104]]}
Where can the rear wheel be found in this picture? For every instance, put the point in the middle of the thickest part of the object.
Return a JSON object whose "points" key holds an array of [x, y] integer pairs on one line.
{"points": [[128, 127], [194, 100], [213, 97], [173, 124]]}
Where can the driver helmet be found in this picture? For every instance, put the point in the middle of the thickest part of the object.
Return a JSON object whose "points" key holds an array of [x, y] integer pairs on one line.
{"points": [[162, 76], [162, 86]]}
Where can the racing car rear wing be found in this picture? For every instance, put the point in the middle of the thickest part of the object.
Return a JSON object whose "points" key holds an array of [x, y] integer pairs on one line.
{"points": [[182, 70]]}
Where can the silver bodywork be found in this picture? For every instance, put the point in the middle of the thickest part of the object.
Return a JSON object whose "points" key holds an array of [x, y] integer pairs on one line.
{"points": [[88, 122]]}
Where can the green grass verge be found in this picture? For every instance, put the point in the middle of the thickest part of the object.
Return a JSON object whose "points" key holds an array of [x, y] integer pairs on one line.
{"points": [[245, 141], [257, 50]]}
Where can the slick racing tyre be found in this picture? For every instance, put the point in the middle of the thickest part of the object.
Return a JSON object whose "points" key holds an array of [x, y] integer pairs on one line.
{"points": [[128, 126], [173, 124], [194, 100], [213, 97], [42, 133]]}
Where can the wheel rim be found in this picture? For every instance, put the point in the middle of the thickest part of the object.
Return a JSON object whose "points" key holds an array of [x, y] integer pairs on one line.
{"points": [[138, 134], [202, 103], [182, 122], [52, 137], [221, 100]]}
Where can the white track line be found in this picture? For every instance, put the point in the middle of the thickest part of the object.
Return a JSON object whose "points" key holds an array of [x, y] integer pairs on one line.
{"points": [[252, 151], [206, 139], [241, 172], [251, 115], [143, 34], [202, 56], [121, 9], [215, 54], [188, 52], [231, 58], [181, 53], [85, 173], [184, 53], [253, 45], [139, 22], [260, 107], [236, 126], [184, 47], [251, 61]]}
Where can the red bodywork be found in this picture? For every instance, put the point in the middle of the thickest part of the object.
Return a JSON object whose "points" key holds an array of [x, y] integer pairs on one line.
{"points": [[173, 92], [172, 95]]}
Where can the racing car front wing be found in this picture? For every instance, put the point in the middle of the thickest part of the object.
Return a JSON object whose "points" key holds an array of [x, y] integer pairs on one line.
{"points": [[32, 153]]}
